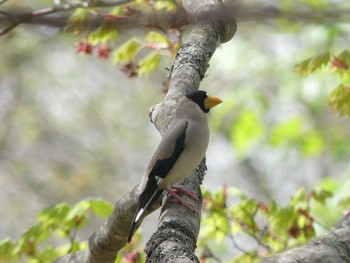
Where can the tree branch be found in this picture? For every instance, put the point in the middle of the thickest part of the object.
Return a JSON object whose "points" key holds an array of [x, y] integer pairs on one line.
{"points": [[106, 242], [176, 237], [17, 19], [176, 223], [240, 10], [3, 1], [331, 248]]}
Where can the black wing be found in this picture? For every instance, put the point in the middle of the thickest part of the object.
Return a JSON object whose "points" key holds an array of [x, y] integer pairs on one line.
{"points": [[161, 168]]}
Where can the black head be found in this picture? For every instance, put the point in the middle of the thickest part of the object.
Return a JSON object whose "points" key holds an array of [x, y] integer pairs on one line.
{"points": [[199, 97], [204, 101]]}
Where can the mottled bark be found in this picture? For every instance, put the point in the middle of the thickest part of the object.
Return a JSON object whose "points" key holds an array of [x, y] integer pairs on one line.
{"points": [[175, 240], [176, 237]]}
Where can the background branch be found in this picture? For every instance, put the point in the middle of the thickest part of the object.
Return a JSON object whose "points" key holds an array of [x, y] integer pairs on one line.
{"points": [[27, 17], [331, 248], [241, 12]]}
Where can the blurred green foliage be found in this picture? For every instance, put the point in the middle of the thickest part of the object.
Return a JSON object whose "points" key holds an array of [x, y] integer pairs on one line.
{"points": [[339, 98], [273, 228], [246, 130], [159, 40], [61, 221], [44, 117]]}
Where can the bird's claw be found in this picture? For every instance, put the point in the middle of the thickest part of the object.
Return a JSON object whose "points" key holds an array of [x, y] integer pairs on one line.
{"points": [[185, 192], [182, 202]]}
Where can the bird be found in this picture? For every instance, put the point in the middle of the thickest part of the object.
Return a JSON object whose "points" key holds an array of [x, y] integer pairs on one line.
{"points": [[180, 151]]}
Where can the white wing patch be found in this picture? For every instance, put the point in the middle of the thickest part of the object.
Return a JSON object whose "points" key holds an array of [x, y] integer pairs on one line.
{"points": [[159, 179], [139, 214]]}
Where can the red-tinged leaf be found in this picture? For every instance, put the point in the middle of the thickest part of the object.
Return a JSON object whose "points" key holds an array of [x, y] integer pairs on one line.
{"points": [[224, 193], [310, 195], [294, 231], [103, 51], [344, 57], [337, 63], [339, 100], [310, 65], [309, 230], [84, 47], [130, 69], [304, 213], [263, 206]]}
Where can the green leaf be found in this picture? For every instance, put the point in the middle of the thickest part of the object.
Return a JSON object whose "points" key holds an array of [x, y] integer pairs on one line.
{"points": [[75, 246], [334, 31], [286, 132], [164, 5], [312, 143], [299, 196], [246, 130], [235, 228], [344, 202], [54, 214], [127, 51], [79, 210], [149, 63], [37, 233], [103, 34], [316, 3], [310, 65], [6, 250], [48, 254], [155, 37], [282, 219], [234, 191], [299, 200], [101, 208], [345, 78], [344, 57], [223, 225], [215, 226], [78, 20], [321, 195], [339, 100]]}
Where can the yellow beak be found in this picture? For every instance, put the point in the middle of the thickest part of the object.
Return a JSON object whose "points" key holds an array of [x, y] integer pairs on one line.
{"points": [[211, 102]]}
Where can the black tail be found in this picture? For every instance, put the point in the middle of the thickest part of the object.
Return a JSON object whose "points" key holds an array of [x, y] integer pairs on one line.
{"points": [[133, 224], [145, 207]]}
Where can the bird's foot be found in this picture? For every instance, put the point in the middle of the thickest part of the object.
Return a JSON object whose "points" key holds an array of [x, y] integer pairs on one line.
{"points": [[185, 192], [182, 202]]}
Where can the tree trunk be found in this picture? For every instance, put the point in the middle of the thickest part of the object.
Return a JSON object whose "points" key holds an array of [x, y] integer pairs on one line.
{"points": [[175, 240]]}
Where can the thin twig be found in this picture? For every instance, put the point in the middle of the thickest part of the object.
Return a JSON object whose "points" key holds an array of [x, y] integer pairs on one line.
{"points": [[72, 237], [62, 7], [42, 16], [3, 1], [7, 15], [9, 28]]}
